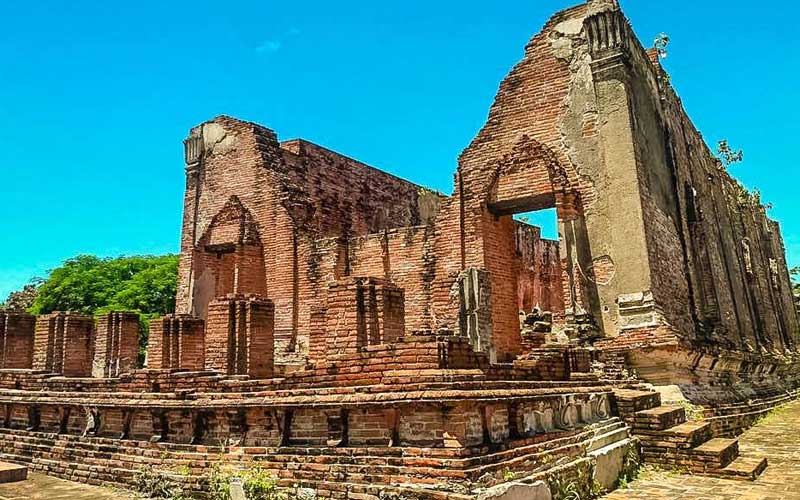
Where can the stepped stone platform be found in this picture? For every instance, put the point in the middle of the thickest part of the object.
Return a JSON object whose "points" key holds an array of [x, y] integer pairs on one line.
{"points": [[775, 439], [407, 429], [669, 440]]}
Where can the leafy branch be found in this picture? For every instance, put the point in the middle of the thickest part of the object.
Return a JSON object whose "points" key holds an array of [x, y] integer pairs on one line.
{"points": [[660, 43], [728, 155]]}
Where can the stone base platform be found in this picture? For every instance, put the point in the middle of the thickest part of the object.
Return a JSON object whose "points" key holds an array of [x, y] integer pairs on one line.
{"points": [[11, 473]]}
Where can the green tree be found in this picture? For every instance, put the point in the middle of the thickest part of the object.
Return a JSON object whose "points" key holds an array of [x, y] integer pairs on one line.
{"points": [[91, 285], [22, 300], [795, 273]]}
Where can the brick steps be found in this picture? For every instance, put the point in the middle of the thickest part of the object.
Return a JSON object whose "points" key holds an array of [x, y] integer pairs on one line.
{"points": [[716, 453], [659, 418], [669, 440], [72, 448], [630, 401], [96, 461], [686, 435], [360, 465], [44, 443], [741, 468]]}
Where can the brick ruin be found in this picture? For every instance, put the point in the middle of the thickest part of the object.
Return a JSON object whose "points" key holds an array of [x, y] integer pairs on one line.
{"points": [[354, 332]]}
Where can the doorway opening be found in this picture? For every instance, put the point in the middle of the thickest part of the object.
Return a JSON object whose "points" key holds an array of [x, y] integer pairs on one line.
{"points": [[538, 263]]}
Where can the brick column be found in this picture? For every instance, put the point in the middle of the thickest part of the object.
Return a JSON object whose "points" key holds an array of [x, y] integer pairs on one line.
{"points": [[316, 337], [64, 343], [117, 344], [16, 340], [240, 336], [361, 312], [176, 342]]}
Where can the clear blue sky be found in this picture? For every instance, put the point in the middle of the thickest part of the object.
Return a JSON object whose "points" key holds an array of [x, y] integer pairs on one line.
{"points": [[96, 97]]}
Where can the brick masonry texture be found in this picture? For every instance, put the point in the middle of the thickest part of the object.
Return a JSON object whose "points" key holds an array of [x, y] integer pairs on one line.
{"points": [[116, 344], [16, 335], [353, 332], [776, 439]]}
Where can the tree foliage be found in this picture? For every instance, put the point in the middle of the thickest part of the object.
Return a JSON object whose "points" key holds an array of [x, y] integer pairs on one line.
{"points": [[660, 43], [795, 273], [728, 155], [90, 285], [22, 300]]}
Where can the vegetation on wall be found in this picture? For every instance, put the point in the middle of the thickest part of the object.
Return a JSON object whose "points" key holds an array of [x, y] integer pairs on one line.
{"points": [[795, 273], [91, 285], [728, 155], [660, 43]]}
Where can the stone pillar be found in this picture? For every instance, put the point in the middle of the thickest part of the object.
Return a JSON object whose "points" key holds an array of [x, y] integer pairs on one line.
{"points": [[116, 344], [64, 343], [621, 232], [176, 342], [240, 336], [362, 312], [16, 340], [475, 309]]}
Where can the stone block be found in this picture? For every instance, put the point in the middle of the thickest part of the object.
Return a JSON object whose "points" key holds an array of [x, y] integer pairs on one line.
{"points": [[10, 473], [517, 491]]}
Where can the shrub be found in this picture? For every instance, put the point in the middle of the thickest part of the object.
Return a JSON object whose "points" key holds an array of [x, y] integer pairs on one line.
{"points": [[258, 483]]}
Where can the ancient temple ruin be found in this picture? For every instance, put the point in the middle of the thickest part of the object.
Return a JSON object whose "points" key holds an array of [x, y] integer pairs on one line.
{"points": [[354, 332]]}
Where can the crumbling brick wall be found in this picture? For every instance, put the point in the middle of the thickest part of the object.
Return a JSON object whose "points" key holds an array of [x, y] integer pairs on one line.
{"points": [[295, 193], [16, 340], [64, 344], [116, 344], [176, 342], [239, 336]]}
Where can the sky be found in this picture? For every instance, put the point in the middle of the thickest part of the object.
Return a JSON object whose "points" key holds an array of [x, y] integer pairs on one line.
{"points": [[96, 98]]}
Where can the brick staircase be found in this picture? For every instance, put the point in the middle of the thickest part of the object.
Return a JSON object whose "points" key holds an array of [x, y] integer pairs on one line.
{"points": [[669, 440]]}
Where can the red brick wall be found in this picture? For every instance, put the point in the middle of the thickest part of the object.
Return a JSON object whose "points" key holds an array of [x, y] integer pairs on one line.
{"points": [[116, 344], [176, 342], [16, 339], [538, 271], [64, 344], [239, 337]]}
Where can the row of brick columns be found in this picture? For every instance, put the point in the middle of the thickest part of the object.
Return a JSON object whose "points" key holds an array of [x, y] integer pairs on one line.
{"points": [[70, 344], [236, 339]]}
